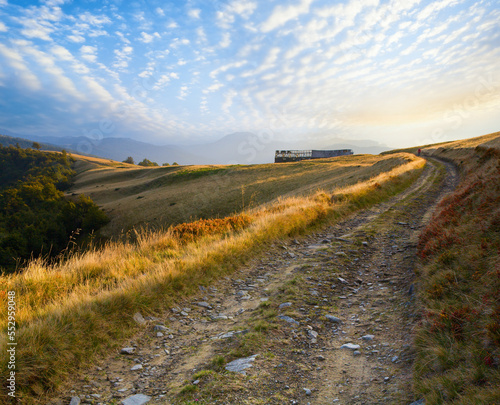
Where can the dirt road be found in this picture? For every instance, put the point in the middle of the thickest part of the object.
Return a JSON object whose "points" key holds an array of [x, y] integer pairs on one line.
{"points": [[325, 319]]}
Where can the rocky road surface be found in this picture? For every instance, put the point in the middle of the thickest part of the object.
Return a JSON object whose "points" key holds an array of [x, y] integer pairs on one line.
{"points": [[322, 319]]}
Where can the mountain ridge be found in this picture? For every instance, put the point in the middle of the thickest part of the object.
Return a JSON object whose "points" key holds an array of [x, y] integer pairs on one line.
{"points": [[235, 148]]}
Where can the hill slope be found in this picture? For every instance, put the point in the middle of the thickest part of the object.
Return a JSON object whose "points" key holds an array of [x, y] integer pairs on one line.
{"points": [[158, 197]]}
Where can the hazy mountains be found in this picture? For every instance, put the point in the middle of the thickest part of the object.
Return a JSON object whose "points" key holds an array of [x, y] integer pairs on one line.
{"points": [[241, 147]]}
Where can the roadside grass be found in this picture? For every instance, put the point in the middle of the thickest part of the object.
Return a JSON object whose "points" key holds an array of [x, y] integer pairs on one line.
{"points": [[458, 339], [81, 309]]}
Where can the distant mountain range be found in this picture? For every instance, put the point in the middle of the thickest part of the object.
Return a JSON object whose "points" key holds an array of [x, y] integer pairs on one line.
{"points": [[237, 148]]}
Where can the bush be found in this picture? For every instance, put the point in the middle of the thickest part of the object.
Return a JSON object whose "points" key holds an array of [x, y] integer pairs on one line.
{"points": [[147, 163]]}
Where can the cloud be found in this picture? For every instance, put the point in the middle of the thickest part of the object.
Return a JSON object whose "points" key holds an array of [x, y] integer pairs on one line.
{"points": [[226, 40], [164, 80], [282, 14], [224, 68], [37, 29], [228, 100], [102, 95], [246, 50], [54, 3], [16, 61], [62, 53], [121, 35], [97, 33], [46, 61], [76, 38], [94, 19], [147, 38], [183, 93], [214, 87], [89, 53], [204, 106], [435, 7], [179, 41], [331, 57], [194, 13], [268, 63], [123, 57], [202, 36], [241, 8]]}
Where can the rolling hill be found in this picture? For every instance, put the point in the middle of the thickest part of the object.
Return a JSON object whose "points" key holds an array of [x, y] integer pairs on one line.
{"points": [[158, 197]]}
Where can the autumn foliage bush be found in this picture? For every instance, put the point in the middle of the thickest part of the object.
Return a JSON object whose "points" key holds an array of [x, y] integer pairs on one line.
{"points": [[191, 231]]}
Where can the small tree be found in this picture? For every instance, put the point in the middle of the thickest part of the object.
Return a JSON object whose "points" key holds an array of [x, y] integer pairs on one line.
{"points": [[166, 164], [130, 160], [147, 162], [36, 146], [175, 164]]}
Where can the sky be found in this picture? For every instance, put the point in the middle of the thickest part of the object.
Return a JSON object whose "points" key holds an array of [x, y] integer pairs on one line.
{"points": [[400, 72]]}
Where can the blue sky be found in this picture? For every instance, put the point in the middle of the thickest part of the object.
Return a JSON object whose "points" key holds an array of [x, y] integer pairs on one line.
{"points": [[401, 72]]}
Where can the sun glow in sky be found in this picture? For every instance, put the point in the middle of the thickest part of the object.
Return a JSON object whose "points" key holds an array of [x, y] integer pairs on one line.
{"points": [[401, 72]]}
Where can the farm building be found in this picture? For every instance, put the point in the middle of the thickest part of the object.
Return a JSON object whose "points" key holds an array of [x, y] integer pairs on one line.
{"points": [[296, 155]]}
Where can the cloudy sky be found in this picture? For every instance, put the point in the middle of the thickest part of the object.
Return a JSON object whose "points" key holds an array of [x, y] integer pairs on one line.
{"points": [[400, 72]]}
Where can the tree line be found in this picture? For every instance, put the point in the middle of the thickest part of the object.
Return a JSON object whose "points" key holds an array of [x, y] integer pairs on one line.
{"points": [[147, 162], [35, 217]]}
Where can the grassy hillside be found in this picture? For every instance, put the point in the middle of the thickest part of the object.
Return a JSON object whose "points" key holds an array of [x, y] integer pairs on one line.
{"points": [[157, 197], [83, 307], [458, 340]]}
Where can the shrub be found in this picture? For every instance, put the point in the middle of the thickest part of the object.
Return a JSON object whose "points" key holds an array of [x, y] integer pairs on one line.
{"points": [[147, 163]]}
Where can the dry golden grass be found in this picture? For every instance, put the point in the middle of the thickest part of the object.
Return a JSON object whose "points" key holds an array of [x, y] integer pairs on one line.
{"points": [[489, 140], [78, 309]]}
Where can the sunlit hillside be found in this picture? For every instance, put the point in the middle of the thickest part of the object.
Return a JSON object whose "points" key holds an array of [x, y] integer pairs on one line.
{"points": [[157, 197]]}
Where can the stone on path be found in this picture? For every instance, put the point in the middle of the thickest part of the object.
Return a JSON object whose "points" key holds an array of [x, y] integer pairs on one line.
{"points": [[350, 346], [419, 402], [139, 318], [138, 399], [75, 401], [288, 319], [136, 367], [312, 334], [127, 350], [332, 318], [240, 365], [367, 337], [204, 304]]}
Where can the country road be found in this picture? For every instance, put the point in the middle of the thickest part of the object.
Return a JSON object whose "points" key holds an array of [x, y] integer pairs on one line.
{"points": [[329, 317]]}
